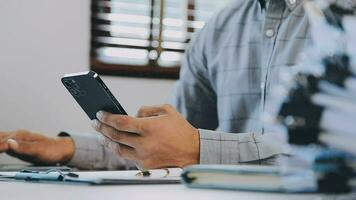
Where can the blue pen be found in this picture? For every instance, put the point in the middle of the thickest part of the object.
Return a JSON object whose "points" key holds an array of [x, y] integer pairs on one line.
{"points": [[52, 175], [38, 176]]}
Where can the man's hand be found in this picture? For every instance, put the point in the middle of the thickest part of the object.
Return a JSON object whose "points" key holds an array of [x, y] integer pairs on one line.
{"points": [[159, 137], [4, 146], [36, 148]]}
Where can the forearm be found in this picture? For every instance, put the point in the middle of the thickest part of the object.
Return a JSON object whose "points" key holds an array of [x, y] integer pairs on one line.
{"points": [[243, 148], [92, 151]]}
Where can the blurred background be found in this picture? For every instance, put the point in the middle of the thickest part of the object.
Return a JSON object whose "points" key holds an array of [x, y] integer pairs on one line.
{"points": [[41, 40]]}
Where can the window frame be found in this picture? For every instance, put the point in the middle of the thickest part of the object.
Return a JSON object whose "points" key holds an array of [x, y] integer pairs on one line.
{"points": [[152, 69]]}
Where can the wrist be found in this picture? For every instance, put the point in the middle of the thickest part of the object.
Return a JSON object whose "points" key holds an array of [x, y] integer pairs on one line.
{"points": [[194, 154], [67, 147]]}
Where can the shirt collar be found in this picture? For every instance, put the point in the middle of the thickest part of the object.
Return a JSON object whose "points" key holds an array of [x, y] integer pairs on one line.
{"points": [[291, 4]]}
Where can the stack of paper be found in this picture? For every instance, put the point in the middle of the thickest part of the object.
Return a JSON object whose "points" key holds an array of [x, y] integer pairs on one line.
{"points": [[316, 104]]}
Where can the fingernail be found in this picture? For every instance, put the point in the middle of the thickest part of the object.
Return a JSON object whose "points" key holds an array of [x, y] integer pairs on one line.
{"points": [[95, 123], [12, 143], [99, 115]]}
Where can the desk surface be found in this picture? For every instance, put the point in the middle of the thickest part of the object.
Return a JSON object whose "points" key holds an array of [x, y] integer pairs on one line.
{"points": [[39, 191], [22, 191]]}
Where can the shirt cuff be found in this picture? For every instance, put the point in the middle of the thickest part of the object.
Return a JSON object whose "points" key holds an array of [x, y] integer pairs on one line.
{"points": [[234, 148], [87, 149], [218, 148]]}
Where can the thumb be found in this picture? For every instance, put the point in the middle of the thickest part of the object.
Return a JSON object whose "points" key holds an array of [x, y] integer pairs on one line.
{"points": [[20, 147], [13, 144]]}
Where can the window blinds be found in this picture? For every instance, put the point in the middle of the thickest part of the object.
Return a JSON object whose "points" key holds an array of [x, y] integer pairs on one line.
{"points": [[146, 33]]}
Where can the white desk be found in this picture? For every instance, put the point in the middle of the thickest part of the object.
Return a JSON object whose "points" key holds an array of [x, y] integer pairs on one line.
{"points": [[26, 191]]}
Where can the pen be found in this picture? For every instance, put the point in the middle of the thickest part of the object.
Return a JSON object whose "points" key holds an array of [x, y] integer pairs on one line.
{"points": [[38, 176], [49, 175]]}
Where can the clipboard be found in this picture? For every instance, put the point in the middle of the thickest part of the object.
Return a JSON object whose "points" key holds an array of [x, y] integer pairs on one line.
{"points": [[96, 178]]}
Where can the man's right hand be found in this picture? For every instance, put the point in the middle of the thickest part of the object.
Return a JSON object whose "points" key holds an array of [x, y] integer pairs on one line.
{"points": [[37, 148]]}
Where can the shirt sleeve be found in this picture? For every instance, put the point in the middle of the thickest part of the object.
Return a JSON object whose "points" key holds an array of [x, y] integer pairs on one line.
{"points": [[195, 98], [93, 151], [193, 95], [232, 148]]}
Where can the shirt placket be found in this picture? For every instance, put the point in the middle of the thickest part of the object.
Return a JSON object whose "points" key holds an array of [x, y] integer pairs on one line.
{"points": [[272, 22]]}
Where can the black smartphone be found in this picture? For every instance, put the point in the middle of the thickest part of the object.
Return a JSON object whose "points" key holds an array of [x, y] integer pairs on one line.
{"points": [[91, 93]]}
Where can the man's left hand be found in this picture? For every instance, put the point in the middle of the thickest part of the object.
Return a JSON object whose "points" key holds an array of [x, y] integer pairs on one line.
{"points": [[159, 137]]}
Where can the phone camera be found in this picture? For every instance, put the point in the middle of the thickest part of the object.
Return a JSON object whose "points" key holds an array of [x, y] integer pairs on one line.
{"points": [[75, 92], [68, 84]]}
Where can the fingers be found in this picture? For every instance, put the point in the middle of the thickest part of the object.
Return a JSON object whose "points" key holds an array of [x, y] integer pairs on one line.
{"points": [[121, 122], [9, 140], [129, 139], [20, 147], [3, 147], [3, 138], [149, 111], [23, 135], [22, 150], [127, 152]]}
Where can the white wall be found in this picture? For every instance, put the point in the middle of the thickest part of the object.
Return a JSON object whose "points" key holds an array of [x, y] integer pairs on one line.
{"points": [[40, 40]]}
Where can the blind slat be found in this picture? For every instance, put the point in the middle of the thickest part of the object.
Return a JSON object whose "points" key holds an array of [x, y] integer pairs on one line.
{"points": [[148, 32]]}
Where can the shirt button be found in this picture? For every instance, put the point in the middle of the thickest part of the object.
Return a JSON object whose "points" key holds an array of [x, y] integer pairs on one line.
{"points": [[269, 32], [292, 2]]}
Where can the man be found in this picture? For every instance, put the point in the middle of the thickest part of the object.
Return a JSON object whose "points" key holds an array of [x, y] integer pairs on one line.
{"points": [[225, 82]]}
